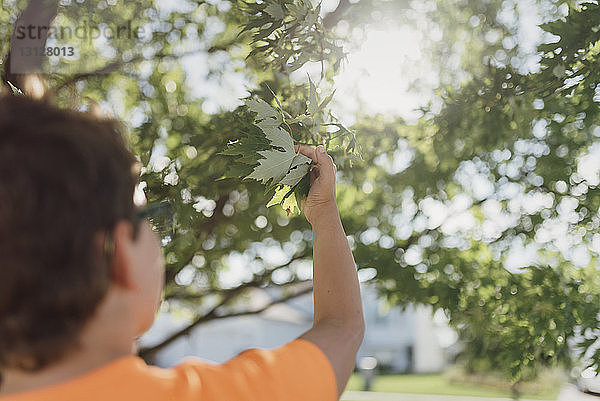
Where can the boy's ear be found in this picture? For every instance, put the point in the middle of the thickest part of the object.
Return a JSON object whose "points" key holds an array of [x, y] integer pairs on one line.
{"points": [[123, 258]]}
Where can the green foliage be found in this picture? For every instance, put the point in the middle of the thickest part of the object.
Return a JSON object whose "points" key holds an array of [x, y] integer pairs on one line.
{"points": [[523, 134], [276, 167], [289, 33], [270, 150], [574, 56]]}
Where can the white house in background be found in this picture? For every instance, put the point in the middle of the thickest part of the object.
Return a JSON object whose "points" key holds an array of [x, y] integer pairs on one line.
{"points": [[410, 340]]}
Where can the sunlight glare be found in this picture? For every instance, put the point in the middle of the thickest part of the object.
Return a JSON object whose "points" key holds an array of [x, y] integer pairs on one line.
{"points": [[379, 76]]}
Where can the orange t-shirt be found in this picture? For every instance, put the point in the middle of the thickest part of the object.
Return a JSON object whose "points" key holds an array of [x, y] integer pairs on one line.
{"points": [[296, 371]]}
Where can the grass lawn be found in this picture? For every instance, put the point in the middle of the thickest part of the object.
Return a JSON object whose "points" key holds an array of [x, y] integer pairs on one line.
{"points": [[439, 384]]}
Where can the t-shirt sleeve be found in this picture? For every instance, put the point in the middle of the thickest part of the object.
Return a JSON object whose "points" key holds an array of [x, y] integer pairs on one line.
{"points": [[296, 371]]}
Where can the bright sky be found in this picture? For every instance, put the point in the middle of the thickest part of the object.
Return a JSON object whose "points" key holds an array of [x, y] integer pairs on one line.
{"points": [[377, 77]]}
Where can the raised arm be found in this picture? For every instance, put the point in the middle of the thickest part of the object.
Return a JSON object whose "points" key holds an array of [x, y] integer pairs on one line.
{"points": [[338, 325]]}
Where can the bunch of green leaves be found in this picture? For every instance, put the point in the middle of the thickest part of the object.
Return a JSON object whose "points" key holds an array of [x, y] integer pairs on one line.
{"points": [[266, 151], [524, 319], [573, 56], [287, 34]]}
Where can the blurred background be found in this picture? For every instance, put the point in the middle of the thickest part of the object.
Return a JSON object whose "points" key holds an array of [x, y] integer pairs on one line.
{"points": [[469, 196]]}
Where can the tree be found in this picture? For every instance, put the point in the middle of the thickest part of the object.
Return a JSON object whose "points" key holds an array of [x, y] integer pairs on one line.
{"points": [[528, 137], [179, 144], [521, 135]]}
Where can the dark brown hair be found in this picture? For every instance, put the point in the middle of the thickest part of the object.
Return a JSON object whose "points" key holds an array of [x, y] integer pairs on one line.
{"points": [[64, 177]]}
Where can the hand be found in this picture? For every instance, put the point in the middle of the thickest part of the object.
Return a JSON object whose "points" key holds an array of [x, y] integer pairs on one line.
{"points": [[321, 197]]}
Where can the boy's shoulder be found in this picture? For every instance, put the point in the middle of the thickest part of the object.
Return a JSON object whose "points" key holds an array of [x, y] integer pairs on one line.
{"points": [[296, 371]]}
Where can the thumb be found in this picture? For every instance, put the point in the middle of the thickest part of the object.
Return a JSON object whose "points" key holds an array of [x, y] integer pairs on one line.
{"points": [[325, 164]]}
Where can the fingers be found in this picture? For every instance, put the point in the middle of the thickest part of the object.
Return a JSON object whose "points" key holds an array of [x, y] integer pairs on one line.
{"points": [[317, 155], [307, 151], [324, 162], [326, 167]]}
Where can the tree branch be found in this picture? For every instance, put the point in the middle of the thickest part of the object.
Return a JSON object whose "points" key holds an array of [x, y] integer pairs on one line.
{"points": [[148, 353], [256, 281], [115, 65], [206, 227], [31, 32], [336, 15]]}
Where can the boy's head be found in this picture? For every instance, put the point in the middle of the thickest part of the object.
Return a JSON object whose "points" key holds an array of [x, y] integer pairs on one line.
{"points": [[66, 180]]}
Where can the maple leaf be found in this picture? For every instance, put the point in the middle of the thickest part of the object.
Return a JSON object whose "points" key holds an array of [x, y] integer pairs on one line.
{"points": [[265, 152], [281, 164], [264, 112], [288, 198], [298, 169], [272, 167], [276, 135], [274, 10]]}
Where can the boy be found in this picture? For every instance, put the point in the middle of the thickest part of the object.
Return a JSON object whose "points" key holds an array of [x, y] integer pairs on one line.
{"points": [[81, 276]]}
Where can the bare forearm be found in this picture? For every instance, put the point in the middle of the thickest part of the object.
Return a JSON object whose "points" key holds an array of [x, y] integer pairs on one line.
{"points": [[338, 326], [335, 282]]}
